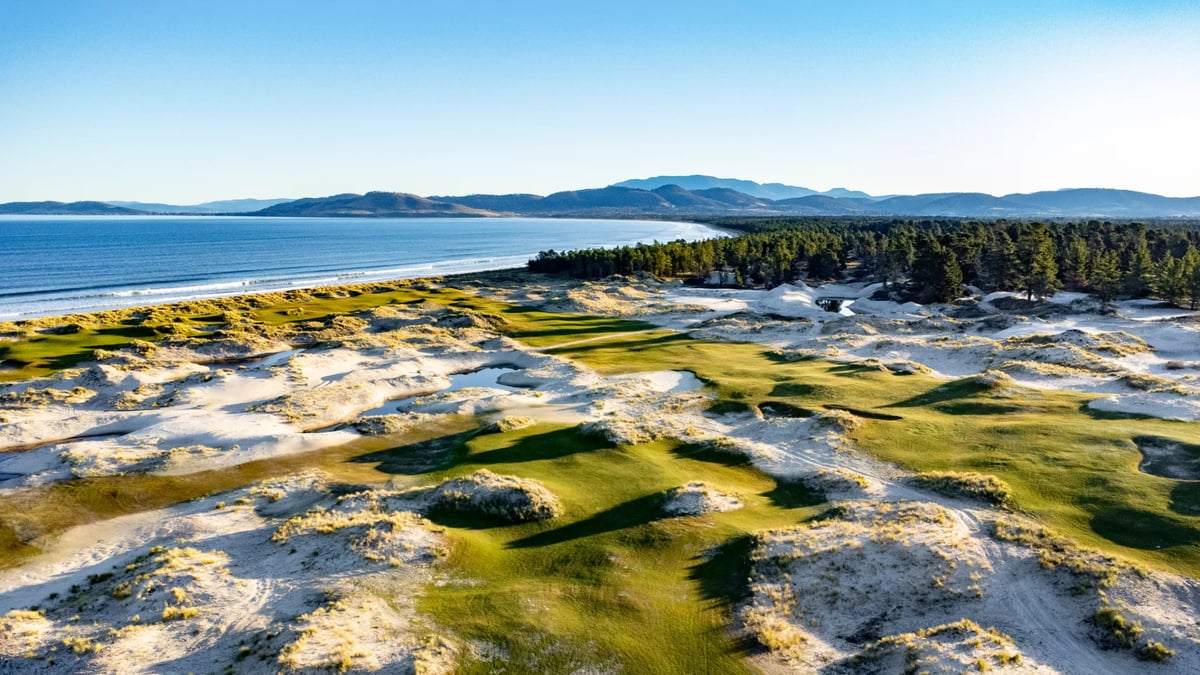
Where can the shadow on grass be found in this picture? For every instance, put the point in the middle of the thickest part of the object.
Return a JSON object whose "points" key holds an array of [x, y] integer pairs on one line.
{"points": [[867, 414], [572, 326], [1142, 529], [779, 357], [549, 445], [705, 452], [784, 409], [640, 511], [947, 392], [722, 576], [729, 408], [422, 457], [801, 389], [857, 369], [977, 408], [628, 344], [1185, 498], [722, 579], [794, 495], [466, 520]]}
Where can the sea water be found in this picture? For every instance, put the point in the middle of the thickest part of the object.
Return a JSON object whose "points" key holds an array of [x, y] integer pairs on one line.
{"points": [[52, 265]]}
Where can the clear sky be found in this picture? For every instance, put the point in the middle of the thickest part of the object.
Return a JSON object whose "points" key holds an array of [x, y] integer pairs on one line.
{"points": [[187, 101]]}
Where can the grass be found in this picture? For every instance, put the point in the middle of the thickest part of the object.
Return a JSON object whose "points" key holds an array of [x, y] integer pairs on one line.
{"points": [[612, 581], [1072, 470]]}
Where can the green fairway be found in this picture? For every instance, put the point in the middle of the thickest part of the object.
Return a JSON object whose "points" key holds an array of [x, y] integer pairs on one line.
{"points": [[1068, 466]]}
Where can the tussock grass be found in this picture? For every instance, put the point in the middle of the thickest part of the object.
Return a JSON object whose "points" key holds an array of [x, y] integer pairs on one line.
{"points": [[965, 485], [29, 515]]}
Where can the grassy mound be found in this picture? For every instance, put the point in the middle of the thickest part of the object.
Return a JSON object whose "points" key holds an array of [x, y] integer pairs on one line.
{"points": [[965, 485], [503, 498]]}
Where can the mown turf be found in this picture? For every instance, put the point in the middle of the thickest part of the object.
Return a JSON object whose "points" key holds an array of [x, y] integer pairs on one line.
{"points": [[613, 581]]}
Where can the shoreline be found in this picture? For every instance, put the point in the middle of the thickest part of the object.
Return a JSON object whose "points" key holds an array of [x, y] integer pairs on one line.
{"points": [[259, 299], [40, 291]]}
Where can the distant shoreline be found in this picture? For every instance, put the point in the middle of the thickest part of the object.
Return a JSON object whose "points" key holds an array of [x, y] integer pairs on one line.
{"points": [[68, 265]]}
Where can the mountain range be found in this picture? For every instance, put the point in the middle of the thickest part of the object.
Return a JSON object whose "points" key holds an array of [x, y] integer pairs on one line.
{"points": [[677, 196]]}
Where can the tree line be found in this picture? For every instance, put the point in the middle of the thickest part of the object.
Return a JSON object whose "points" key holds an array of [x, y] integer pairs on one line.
{"points": [[928, 260]]}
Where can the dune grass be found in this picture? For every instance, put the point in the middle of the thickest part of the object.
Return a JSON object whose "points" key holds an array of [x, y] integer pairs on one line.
{"points": [[42, 347], [29, 518]]}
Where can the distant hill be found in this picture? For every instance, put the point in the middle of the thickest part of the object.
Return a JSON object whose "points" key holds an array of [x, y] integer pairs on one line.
{"points": [[223, 206], [67, 209], [680, 201], [372, 204], [772, 191]]}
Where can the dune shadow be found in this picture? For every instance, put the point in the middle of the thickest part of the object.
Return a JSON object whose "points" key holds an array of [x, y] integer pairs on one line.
{"points": [[640, 511], [950, 391], [627, 343], [794, 495], [722, 578], [866, 414], [722, 574], [1142, 529], [421, 457], [804, 389], [549, 445], [713, 454], [1185, 499], [976, 408]]}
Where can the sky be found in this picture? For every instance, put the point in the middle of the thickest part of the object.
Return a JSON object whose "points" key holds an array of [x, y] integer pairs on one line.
{"points": [[188, 101]]}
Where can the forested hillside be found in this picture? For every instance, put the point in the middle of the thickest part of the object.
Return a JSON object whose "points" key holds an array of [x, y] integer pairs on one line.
{"points": [[931, 259]]}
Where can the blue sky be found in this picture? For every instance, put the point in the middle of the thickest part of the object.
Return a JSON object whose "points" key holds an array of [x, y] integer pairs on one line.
{"points": [[192, 101]]}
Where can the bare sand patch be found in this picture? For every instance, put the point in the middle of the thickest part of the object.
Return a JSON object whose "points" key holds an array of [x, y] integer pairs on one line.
{"points": [[697, 498]]}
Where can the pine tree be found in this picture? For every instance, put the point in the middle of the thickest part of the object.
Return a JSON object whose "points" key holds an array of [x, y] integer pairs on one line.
{"points": [[1106, 276], [1191, 273], [1076, 263], [1139, 272], [999, 265], [1170, 279], [936, 272], [1039, 269]]}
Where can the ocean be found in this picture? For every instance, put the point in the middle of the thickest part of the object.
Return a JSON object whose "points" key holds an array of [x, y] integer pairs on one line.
{"points": [[51, 265]]}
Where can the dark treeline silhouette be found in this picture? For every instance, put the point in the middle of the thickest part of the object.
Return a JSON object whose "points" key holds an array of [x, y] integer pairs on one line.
{"points": [[927, 260]]}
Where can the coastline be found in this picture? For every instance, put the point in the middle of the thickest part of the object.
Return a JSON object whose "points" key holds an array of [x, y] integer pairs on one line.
{"points": [[79, 268]]}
